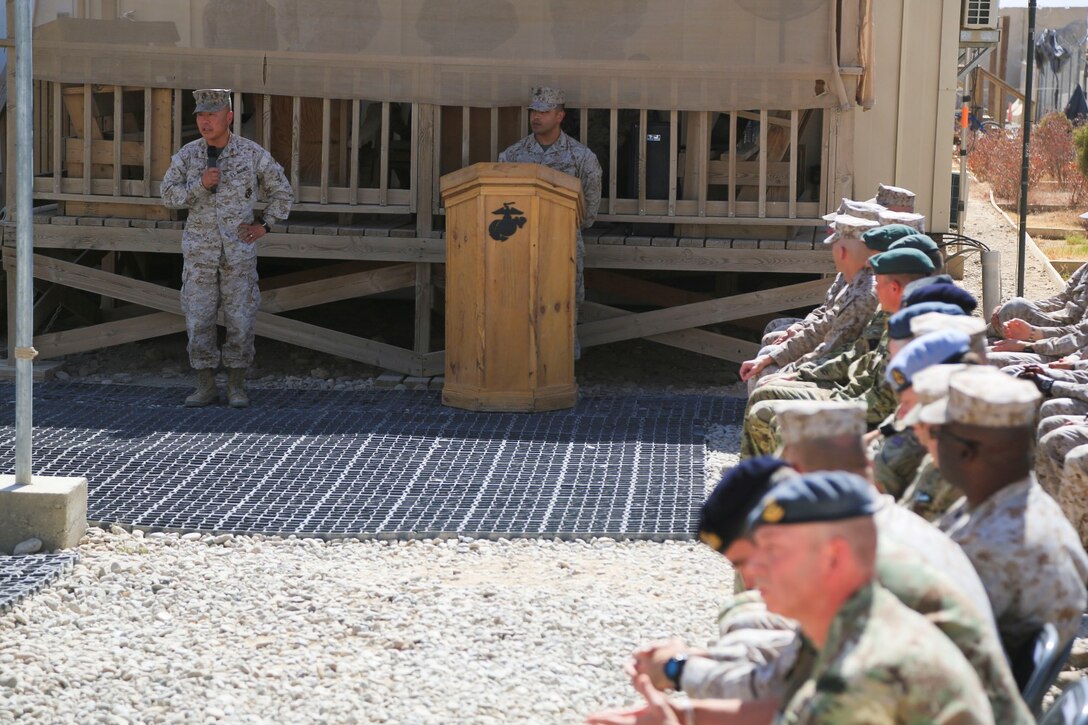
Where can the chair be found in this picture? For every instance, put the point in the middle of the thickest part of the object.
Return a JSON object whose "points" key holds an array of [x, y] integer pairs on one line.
{"points": [[1037, 667], [1069, 709]]}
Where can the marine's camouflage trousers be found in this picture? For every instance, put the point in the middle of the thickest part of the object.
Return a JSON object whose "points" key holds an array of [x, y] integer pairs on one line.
{"points": [[211, 283], [1005, 360], [760, 433], [1019, 308], [896, 460], [771, 336], [1058, 435], [1073, 495], [1062, 406], [929, 495]]}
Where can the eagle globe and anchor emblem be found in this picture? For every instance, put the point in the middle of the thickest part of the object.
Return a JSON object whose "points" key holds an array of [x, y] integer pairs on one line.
{"points": [[512, 219]]}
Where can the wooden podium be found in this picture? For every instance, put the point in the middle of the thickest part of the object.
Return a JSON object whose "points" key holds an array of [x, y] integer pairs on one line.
{"points": [[510, 268]]}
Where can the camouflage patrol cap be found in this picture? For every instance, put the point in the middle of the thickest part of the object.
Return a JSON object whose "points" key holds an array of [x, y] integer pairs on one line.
{"points": [[894, 196], [986, 397], [934, 348], [723, 514], [930, 385], [806, 420], [845, 226], [209, 100], [932, 321], [545, 99], [901, 261], [880, 238], [861, 209], [907, 218], [899, 323], [815, 497]]}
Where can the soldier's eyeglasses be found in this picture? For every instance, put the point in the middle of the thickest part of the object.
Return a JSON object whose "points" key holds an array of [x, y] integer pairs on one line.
{"points": [[943, 432]]}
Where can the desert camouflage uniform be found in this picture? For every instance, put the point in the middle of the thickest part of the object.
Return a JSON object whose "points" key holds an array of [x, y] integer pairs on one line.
{"points": [[1047, 350], [1062, 311], [570, 157], [929, 495], [1059, 435], [1028, 556], [817, 319], [1073, 496], [220, 270], [883, 663], [843, 324]]}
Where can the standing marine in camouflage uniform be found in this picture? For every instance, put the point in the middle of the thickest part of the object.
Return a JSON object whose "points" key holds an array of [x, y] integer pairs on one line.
{"points": [[550, 146], [219, 244], [1028, 555]]}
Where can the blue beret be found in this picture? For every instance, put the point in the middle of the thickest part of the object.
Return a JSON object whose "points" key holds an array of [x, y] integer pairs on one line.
{"points": [[933, 348], [881, 238], [924, 244], [901, 261], [815, 497], [722, 517], [941, 292], [899, 323]]}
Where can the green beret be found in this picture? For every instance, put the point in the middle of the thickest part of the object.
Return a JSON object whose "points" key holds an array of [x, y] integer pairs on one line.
{"points": [[815, 497], [901, 261], [881, 238], [923, 243]]}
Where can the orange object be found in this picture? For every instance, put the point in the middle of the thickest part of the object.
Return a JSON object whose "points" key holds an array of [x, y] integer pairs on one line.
{"points": [[963, 116]]}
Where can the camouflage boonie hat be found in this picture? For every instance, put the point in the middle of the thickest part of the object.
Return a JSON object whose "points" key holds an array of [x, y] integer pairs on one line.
{"points": [[894, 196], [861, 209], [805, 420], [910, 219], [209, 100], [545, 99], [844, 226], [986, 397], [930, 385]]}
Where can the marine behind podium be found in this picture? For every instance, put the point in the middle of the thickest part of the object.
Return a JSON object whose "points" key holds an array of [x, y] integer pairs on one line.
{"points": [[548, 145]]}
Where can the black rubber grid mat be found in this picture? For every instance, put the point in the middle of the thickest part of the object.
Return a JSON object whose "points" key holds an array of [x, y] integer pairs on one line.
{"points": [[21, 576], [383, 463]]}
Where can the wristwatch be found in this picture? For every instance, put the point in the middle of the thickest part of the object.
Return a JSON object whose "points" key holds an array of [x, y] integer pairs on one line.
{"points": [[674, 669]]}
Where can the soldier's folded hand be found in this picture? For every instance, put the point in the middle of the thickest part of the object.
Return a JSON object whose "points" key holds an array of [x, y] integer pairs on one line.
{"points": [[210, 178]]}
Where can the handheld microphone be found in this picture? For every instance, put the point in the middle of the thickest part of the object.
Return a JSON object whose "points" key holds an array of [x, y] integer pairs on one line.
{"points": [[213, 163]]}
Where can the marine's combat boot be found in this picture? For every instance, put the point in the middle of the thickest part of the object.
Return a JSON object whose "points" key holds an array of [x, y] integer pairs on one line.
{"points": [[206, 392], [236, 388]]}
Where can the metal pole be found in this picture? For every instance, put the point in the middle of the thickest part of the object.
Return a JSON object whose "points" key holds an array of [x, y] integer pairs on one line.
{"points": [[24, 236], [1022, 244]]}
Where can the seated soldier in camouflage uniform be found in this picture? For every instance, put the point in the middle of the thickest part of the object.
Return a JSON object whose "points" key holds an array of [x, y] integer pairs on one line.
{"points": [[863, 376], [220, 178], [1006, 522], [845, 319], [1073, 494], [815, 561], [895, 449], [1058, 312], [753, 659], [929, 494]]}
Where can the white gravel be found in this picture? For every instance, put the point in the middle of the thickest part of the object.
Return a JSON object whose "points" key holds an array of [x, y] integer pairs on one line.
{"points": [[197, 628]]}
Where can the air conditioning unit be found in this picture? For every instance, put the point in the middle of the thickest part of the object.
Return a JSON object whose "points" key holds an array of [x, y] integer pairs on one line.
{"points": [[979, 14]]}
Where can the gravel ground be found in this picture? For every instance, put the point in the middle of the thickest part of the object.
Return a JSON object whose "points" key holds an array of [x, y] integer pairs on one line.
{"points": [[162, 628]]}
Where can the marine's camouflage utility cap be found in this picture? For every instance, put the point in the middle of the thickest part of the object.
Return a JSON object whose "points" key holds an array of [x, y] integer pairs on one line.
{"points": [[545, 99], [209, 100]]}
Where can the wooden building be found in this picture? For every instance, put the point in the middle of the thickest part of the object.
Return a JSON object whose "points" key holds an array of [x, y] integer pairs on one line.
{"points": [[725, 131]]}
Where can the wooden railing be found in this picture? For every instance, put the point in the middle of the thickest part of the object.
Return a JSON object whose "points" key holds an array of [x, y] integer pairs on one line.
{"points": [[102, 144]]}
